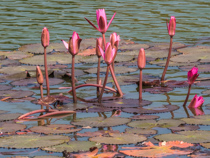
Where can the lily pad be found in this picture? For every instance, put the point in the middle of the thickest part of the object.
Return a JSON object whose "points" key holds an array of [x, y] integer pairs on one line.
{"points": [[92, 108], [121, 138], [121, 103], [198, 120], [16, 94], [206, 145], [54, 129], [158, 45], [186, 136], [73, 146], [159, 53], [203, 83], [146, 132], [4, 87], [176, 84], [100, 121], [145, 117], [33, 81], [10, 127], [141, 110], [10, 116], [9, 62], [53, 59], [117, 69], [158, 90], [32, 141], [135, 46], [15, 55], [184, 128], [96, 133], [201, 68], [172, 63]]}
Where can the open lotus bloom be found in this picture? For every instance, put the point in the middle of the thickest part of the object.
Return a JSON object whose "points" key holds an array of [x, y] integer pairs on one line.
{"points": [[109, 54], [196, 102], [141, 59], [74, 43], [102, 21], [192, 75], [99, 42], [45, 37], [114, 40], [171, 26]]}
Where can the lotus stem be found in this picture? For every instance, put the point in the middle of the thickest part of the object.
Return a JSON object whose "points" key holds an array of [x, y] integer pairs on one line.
{"points": [[188, 93], [168, 59], [115, 81], [105, 80], [73, 81], [104, 40], [140, 85], [46, 72], [98, 76], [41, 90]]}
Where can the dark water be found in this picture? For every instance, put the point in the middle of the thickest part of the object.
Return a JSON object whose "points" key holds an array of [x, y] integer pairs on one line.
{"points": [[143, 21]]}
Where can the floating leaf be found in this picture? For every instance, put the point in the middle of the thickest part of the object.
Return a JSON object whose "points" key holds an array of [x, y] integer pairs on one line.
{"points": [[144, 117], [158, 45], [206, 145], [160, 53], [184, 128], [88, 52], [143, 124], [141, 110], [176, 84], [10, 116], [96, 133], [203, 83], [121, 103], [121, 138], [158, 90], [4, 87], [16, 93], [10, 127], [186, 136], [73, 146], [16, 55], [32, 141], [198, 120], [118, 70], [201, 68], [92, 108], [172, 63], [135, 46], [8, 62], [142, 131], [54, 129], [100, 121]]}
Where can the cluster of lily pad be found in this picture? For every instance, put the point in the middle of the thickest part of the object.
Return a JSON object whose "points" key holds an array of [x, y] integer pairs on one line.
{"points": [[141, 127]]}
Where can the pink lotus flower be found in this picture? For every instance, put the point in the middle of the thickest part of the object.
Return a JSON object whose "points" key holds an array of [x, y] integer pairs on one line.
{"points": [[141, 59], [102, 21], [74, 43], [171, 26], [192, 75], [196, 102], [99, 42], [45, 37], [109, 54], [114, 39]]}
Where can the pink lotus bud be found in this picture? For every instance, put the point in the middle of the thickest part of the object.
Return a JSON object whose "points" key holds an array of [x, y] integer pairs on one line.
{"points": [[114, 40], [101, 20], [192, 75], [171, 26], [74, 43], [39, 76], [45, 37], [196, 102], [99, 42], [109, 54], [141, 59]]}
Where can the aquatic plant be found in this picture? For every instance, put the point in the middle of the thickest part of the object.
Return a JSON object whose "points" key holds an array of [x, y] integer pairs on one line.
{"points": [[196, 102]]}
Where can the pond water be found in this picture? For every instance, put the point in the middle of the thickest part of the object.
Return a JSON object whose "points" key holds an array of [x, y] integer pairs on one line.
{"points": [[142, 22]]}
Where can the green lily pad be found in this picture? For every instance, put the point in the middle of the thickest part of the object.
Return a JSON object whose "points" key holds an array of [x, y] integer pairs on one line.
{"points": [[145, 117], [135, 46], [158, 45], [159, 53], [162, 63], [8, 62], [10, 127], [73, 146], [119, 138], [15, 55], [186, 136], [198, 120], [33, 81], [10, 116], [100, 121], [15, 94], [117, 69], [54, 129], [143, 110], [142, 131], [32, 141], [52, 59]]}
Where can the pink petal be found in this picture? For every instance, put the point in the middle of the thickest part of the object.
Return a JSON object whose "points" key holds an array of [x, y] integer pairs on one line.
{"points": [[102, 52], [111, 20], [65, 44], [91, 24]]}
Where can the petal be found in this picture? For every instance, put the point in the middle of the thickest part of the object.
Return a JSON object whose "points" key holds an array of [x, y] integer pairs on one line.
{"points": [[65, 44], [111, 21], [102, 52], [91, 24]]}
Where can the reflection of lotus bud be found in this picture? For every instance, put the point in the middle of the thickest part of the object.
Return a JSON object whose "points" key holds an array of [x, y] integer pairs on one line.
{"points": [[141, 59], [196, 102], [99, 42], [74, 43], [39, 76], [45, 38]]}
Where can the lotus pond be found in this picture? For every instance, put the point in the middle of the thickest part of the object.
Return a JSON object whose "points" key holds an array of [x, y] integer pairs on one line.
{"points": [[157, 126]]}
